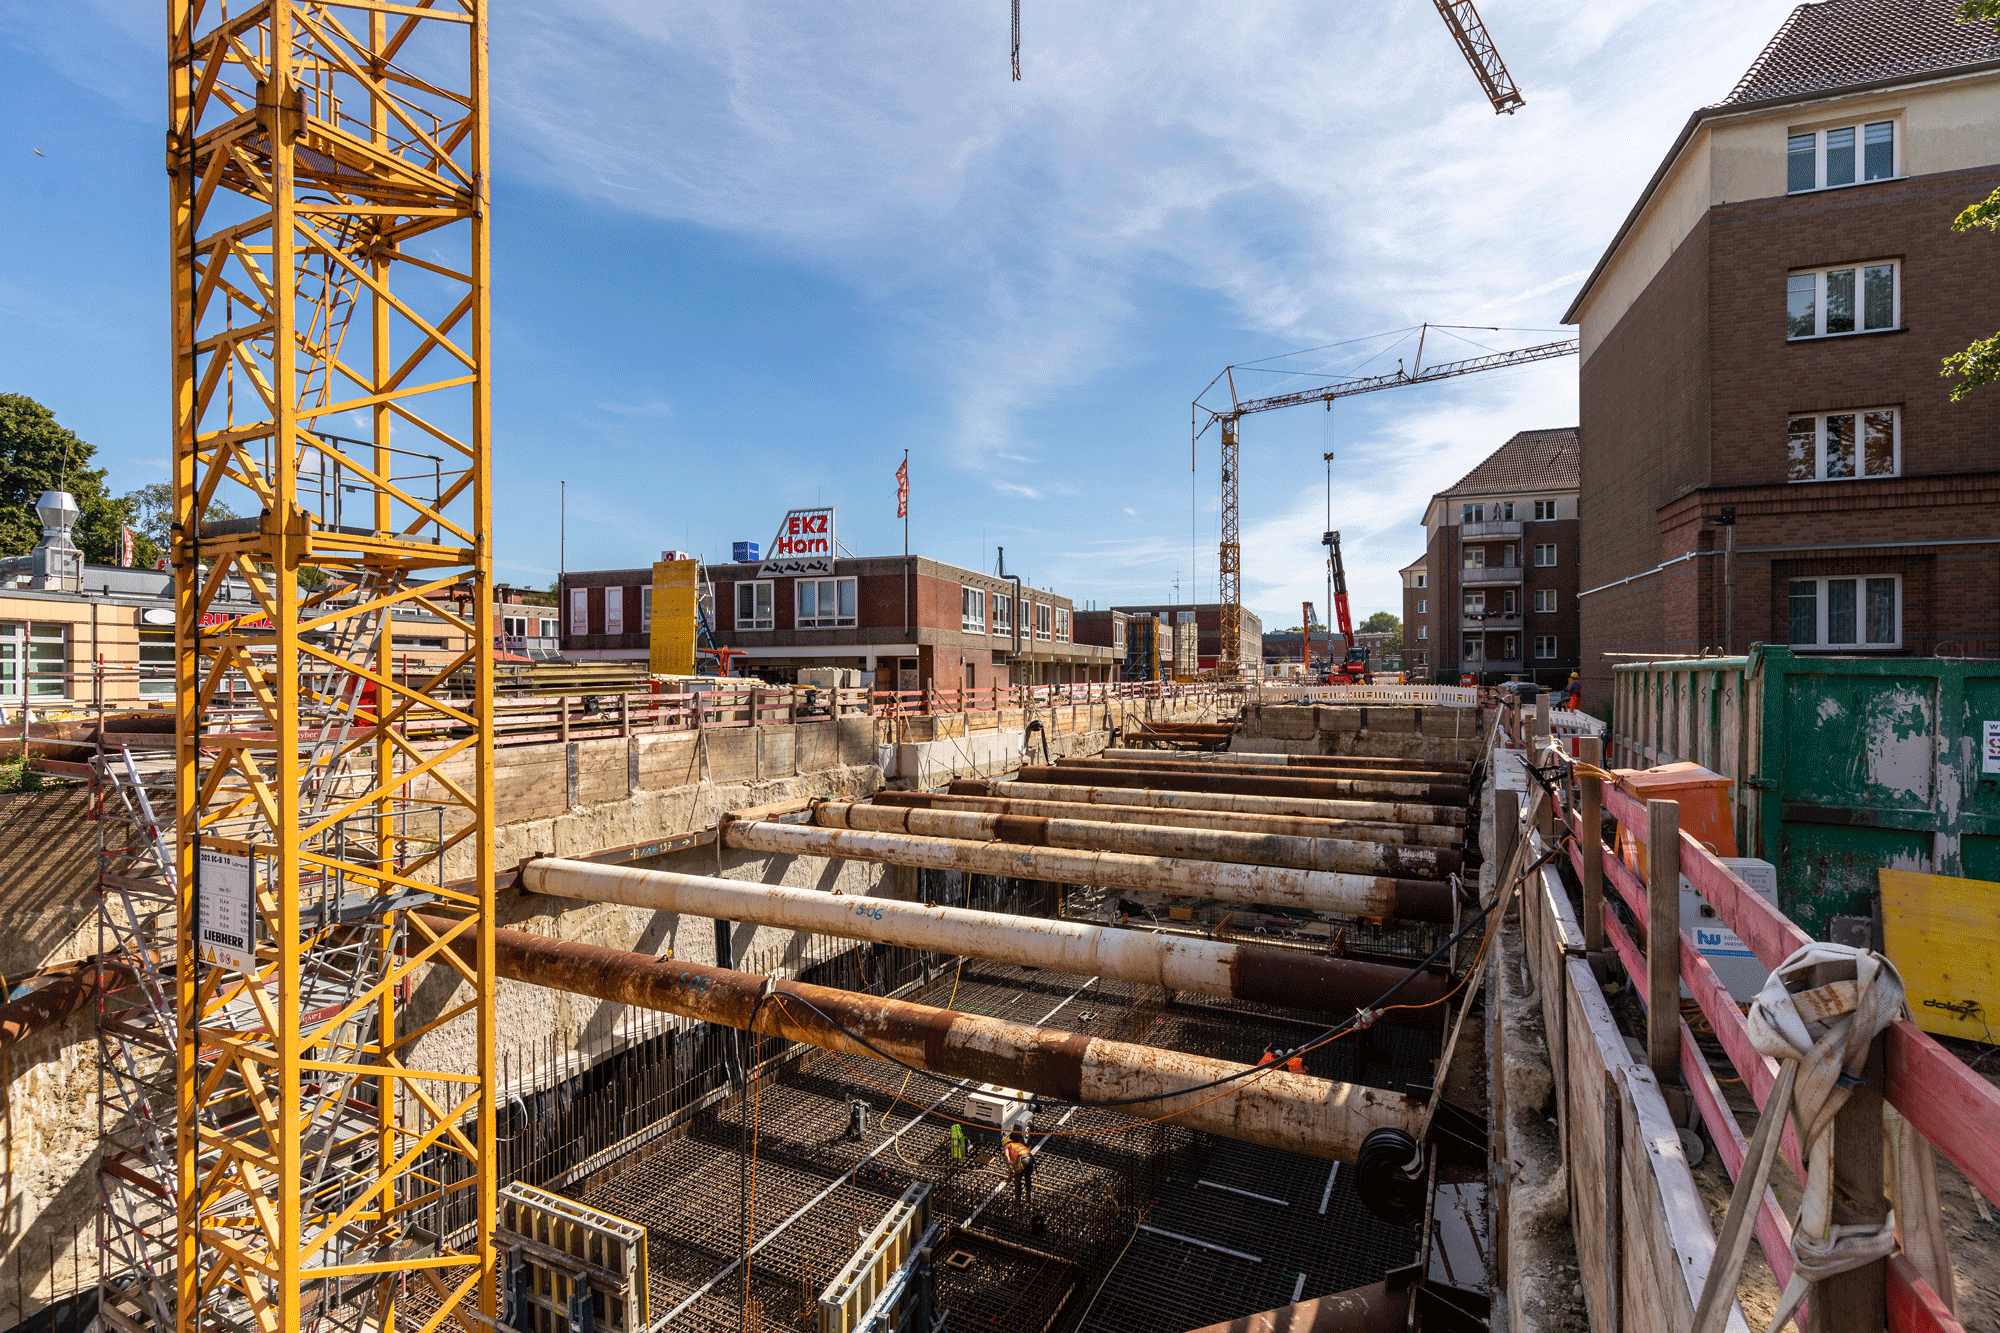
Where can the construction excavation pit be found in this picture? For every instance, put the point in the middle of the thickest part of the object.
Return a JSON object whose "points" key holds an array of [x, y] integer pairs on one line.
{"points": [[1152, 1039]]}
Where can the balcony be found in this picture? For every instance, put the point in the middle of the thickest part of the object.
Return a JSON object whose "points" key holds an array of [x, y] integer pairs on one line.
{"points": [[1492, 664], [1476, 621], [1490, 574], [1488, 532]]}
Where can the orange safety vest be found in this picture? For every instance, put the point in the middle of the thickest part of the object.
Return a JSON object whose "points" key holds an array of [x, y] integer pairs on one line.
{"points": [[1016, 1154]]}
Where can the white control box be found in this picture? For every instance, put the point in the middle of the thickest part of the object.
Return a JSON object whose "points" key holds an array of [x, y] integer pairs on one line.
{"points": [[1001, 1109], [1735, 966]]}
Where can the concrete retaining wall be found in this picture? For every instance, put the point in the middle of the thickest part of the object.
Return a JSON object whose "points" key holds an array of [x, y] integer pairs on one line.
{"points": [[1387, 731]]}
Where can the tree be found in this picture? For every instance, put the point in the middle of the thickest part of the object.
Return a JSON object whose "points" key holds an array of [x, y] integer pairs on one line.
{"points": [[1384, 623], [153, 518], [38, 453], [1979, 363]]}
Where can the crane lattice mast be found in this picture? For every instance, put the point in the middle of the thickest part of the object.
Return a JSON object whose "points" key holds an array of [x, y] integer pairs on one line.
{"points": [[1229, 587], [1477, 46]]}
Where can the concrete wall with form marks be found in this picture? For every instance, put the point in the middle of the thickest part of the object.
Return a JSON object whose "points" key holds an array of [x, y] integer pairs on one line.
{"points": [[1387, 731], [1842, 766]]}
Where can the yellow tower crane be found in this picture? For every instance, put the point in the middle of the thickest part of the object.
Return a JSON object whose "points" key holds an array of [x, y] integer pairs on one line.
{"points": [[328, 194], [1229, 588]]}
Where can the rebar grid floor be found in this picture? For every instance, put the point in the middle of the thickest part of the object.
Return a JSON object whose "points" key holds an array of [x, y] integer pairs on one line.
{"points": [[1105, 1242]]}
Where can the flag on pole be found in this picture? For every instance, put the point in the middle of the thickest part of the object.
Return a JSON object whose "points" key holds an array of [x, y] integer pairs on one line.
{"points": [[903, 489], [161, 563], [127, 548]]}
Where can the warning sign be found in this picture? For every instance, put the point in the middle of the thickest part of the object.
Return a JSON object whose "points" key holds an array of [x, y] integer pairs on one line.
{"points": [[226, 922], [1989, 748]]}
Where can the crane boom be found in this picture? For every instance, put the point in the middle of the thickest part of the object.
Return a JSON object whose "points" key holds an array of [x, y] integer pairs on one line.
{"points": [[1229, 586], [1480, 53]]}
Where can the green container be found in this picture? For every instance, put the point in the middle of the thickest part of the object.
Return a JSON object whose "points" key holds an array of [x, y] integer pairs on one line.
{"points": [[1840, 766]]}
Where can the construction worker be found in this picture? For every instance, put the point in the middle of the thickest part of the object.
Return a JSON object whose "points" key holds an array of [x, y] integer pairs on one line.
{"points": [[1574, 700], [1021, 1166], [960, 1145], [1295, 1065]]}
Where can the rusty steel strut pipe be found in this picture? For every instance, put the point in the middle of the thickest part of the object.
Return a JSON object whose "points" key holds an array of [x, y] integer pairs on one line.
{"points": [[1285, 977], [1442, 838], [1296, 1112], [1313, 890], [1242, 784], [1363, 858], [1401, 770], [1397, 812]]}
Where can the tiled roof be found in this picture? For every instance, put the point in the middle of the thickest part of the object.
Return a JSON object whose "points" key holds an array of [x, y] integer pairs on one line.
{"points": [[1534, 460], [1839, 43]]}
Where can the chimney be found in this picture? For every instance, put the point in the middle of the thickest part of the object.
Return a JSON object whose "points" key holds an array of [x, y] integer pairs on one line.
{"points": [[57, 563]]}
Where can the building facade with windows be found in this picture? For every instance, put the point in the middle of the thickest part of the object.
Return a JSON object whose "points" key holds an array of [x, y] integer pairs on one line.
{"points": [[910, 622], [1494, 595], [1206, 617], [1761, 348]]}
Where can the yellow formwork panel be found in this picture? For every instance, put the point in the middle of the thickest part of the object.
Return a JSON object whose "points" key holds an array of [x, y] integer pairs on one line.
{"points": [[1943, 935], [673, 636]]}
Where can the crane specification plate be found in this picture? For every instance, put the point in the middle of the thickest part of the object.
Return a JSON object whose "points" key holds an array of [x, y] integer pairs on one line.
{"points": [[226, 920]]}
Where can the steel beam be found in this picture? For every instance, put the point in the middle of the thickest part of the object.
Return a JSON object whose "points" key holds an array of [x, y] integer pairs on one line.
{"points": [[1286, 977], [1088, 792], [1239, 784], [1295, 1112], [1296, 826], [1312, 890], [1364, 858], [1433, 769]]}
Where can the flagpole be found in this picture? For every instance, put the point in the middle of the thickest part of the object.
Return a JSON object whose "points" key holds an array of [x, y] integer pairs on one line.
{"points": [[905, 507]]}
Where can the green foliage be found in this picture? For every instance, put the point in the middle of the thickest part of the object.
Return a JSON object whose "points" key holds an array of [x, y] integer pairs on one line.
{"points": [[16, 776], [153, 519], [1382, 622], [1978, 364], [1974, 10], [37, 453]]}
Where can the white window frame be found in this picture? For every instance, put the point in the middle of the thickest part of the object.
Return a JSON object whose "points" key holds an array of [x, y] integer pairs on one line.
{"points": [[1423, 631], [1510, 646], [1545, 600], [1823, 613], [1472, 513], [579, 610], [1423, 606], [971, 609], [1503, 511], [1062, 625], [1861, 177], [1420, 580], [645, 609], [18, 660], [614, 601], [1549, 563], [514, 627], [769, 598], [1042, 620], [550, 627], [1472, 557], [1471, 646], [819, 620], [1859, 416], [1003, 613], [156, 667], [1860, 269], [1117, 634], [1546, 511], [1545, 647]]}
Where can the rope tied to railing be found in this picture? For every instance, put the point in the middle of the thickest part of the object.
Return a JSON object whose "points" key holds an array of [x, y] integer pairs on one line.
{"points": [[1821, 1032]]}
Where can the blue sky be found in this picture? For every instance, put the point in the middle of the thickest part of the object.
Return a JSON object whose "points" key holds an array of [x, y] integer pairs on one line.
{"points": [[745, 255]]}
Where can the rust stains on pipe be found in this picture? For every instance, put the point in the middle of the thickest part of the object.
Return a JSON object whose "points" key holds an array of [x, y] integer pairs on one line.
{"points": [[1286, 977], [1365, 858], [1370, 1309], [1232, 761], [1400, 812], [68, 994], [1296, 826], [1240, 784], [1295, 1112], [1314, 890]]}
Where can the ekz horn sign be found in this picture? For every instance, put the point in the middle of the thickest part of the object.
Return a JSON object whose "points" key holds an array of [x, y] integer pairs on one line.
{"points": [[804, 545]]}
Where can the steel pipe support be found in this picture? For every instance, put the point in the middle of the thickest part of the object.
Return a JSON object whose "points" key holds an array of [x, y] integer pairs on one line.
{"points": [[1400, 770], [1296, 1112], [1086, 792], [1244, 784], [1363, 858], [1441, 836], [1285, 977], [1312, 890]]}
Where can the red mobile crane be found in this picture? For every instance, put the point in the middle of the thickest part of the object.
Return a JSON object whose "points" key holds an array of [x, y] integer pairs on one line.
{"points": [[1353, 668]]}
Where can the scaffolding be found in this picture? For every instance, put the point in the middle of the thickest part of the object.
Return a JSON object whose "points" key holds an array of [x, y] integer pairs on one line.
{"points": [[329, 252]]}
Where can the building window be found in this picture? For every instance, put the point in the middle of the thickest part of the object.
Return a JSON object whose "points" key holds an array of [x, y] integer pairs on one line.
{"points": [[41, 658], [1474, 514], [825, 603], [514, 627], [1471, 647], [1117, 633], [614, 610], [645, 610], [1420, 581], [1826, 158], [1843, 445], [1423, 631], [1003, 613], [753, 605], [579, 610], [1512, 646], [550, 627], [1062, 625], [972, 609], [1423, 659], [1544, 510], [1861, 298], [1863, 612], [1042, 620], [156, 662], [1475, 557], [1545, 599], [1503, 511], [1423, 605], [1545, 646], [1507, 555], [1545, 554]]}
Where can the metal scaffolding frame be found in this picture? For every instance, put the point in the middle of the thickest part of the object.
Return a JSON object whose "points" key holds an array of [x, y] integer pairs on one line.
{"points": [[328, 193]]}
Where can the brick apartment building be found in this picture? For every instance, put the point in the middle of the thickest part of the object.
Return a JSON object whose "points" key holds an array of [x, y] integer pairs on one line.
{"points": [[1208, 631], [1761, 342], [1494, 595], [910, 622]]}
